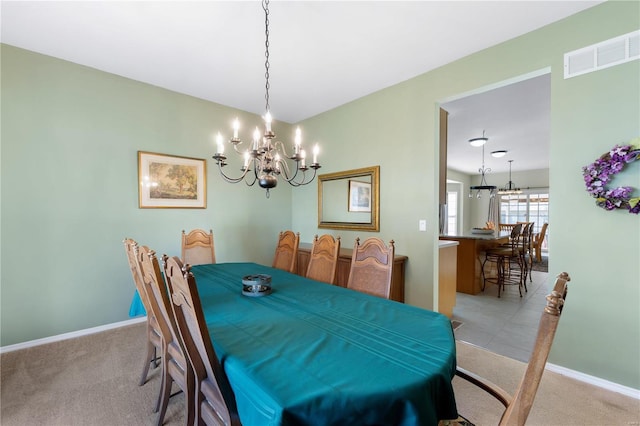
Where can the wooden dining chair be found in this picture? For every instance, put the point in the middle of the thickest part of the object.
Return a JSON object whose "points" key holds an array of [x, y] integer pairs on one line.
{"points": [[214, 402], [506, 227], [175, 367], [526, 249], [154, 339], [286, 251], [323, 261], [538, 239], [372, 267], [197, 247], [518, 405]]}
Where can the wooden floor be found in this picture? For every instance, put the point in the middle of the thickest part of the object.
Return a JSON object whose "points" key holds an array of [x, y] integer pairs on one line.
{"points": [[505, 325]]}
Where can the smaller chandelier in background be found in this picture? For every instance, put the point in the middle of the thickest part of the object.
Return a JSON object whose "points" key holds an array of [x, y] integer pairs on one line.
{"points": [[266, 159], [510, 188], [482, 170]]}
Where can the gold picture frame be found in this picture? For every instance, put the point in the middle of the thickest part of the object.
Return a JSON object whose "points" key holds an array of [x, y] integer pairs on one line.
{"points": [[171, 181]]}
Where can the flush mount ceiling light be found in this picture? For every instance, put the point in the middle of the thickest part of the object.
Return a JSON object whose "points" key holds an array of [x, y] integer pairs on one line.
{"points": [[265, 160], [479, 141], [499, 153], [510, 188]]}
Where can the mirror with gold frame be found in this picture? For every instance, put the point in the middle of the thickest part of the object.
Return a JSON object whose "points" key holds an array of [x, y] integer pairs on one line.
{"points": [[350, 199]]}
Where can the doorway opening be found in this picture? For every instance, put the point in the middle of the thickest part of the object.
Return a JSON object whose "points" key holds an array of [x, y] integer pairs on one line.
{"points": [[515, 117]]}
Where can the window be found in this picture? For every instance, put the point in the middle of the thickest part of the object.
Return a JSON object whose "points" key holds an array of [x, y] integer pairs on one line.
{"points": [[452, 212], [530, 206]]}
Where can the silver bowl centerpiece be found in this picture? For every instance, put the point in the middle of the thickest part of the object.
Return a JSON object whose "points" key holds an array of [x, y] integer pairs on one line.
{"points": [[256, 285]]}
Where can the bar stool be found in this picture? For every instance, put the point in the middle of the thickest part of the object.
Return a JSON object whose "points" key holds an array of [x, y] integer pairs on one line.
{"points": [[508, 261]]}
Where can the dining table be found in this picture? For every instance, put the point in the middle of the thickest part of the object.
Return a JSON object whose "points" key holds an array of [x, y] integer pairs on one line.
{"points": [[311, 353]]}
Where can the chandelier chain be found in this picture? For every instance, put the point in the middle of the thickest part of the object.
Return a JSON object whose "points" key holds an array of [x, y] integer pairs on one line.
{"points": [[265, 7]]}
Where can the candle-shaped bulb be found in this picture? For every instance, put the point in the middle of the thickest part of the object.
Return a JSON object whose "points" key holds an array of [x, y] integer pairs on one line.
{"points": [[297, 141], [267, 121], [220, 143], [236, 127], [246, 159], [277, 162], [256, 138], [316, 150], [302, 155]]}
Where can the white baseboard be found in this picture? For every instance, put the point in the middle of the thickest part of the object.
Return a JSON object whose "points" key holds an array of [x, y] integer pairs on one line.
{"points": [[70, 335], [595, 381]]}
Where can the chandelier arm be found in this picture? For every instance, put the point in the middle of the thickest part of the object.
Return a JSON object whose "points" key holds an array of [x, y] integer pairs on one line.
{"points": [[228, 178], [255, 179], [278, 144], [304, 181], [286, 173], [235, 147]]}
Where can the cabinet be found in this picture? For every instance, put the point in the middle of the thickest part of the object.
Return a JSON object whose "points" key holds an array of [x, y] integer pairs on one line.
{"points": [[447, 272], [344, 267]]}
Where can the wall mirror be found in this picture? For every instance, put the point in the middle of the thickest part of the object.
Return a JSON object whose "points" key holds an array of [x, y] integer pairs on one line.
{"points": [[350, 199]]}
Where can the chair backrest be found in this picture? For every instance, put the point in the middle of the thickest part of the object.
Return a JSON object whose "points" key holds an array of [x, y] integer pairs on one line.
{"points": [[286, 251], [518, 407], [515, 237], [518, 411], [372, 267], [197, 247], [507, 227], [526, 235], [131, 247], [212, 406], [159, 301], [543, 232], [323, 262], [173, 352]]}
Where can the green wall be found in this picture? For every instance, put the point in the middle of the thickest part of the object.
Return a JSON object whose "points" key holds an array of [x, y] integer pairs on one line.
{"points": [[397, 129], [69, 192], [70, 136]]}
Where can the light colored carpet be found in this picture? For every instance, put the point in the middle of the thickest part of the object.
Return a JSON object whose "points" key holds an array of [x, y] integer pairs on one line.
{"points": [[560, 401], [93, 380]]}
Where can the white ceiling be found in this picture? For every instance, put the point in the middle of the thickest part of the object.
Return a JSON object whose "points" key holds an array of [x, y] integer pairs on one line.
{"points": [[322, 53], [515, 118]]}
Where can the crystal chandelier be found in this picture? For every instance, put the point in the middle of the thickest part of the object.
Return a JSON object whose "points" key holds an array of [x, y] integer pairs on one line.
{"points": [[510, 188], [267, 159]]}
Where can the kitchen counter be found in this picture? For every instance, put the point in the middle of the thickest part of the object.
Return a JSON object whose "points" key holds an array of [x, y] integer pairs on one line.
{"points": [[470, 255]]}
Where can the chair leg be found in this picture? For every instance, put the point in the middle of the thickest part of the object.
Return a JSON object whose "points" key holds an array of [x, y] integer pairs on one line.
{"points": [[524, 267], [190, 397], [484, 278], [522, 280], [151, 356], [500, 271], [164, 394]]}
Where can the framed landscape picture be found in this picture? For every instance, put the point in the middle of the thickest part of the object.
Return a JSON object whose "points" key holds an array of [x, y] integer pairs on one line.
{"points": [[359, 196], [171, 181]]}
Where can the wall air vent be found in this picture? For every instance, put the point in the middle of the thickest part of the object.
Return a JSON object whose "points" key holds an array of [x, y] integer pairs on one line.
{"points": [[602, 55]]}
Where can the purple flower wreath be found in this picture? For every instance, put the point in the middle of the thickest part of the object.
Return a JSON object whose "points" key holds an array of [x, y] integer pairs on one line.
{"points": [[599, 173]]}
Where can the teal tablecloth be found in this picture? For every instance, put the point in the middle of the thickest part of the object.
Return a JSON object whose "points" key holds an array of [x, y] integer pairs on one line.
{"points": [[136, 308], [316, 354]]}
